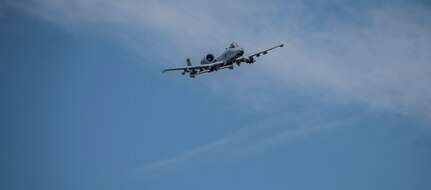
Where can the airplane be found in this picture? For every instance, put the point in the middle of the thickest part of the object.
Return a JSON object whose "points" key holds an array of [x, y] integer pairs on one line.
{"points": [[232, 55]]}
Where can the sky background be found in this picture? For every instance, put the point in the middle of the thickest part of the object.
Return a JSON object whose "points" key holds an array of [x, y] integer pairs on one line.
{"points": [[346, 104]]}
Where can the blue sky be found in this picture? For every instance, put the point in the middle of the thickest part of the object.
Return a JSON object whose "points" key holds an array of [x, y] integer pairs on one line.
{"points": [[346, 104]]}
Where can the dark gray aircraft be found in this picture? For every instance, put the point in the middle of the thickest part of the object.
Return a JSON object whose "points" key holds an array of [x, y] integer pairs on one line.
{"points": [[233, 54]]}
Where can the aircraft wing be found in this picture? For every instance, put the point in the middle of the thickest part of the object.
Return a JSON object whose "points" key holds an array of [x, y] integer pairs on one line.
{"points": [[250, 58], [195, 67]]}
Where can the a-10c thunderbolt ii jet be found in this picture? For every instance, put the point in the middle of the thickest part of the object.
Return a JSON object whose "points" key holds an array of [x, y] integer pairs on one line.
{"points": [[232, 55]]}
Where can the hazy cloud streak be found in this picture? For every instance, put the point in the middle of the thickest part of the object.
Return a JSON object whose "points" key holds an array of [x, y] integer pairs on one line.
{"points": [[249, 140]]}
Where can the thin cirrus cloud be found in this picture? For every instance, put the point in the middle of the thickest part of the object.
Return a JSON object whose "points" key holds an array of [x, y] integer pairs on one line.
{"points": [[377, 54], [248, 140]]}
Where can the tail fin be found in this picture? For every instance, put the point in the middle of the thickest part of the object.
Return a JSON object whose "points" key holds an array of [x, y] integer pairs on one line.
{"points": [[188, 62]]}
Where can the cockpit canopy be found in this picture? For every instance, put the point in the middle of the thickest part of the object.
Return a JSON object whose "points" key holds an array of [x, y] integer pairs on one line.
{"points": [[233, 45]]}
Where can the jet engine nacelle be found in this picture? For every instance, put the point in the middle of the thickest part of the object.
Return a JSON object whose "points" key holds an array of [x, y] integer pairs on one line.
{"points": [[208, 59]]}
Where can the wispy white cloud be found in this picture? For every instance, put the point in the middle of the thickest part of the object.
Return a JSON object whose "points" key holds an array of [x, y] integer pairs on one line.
{"points": [[182, 157], [378, 54], [190, 154], [250, 140], [252, 146]]}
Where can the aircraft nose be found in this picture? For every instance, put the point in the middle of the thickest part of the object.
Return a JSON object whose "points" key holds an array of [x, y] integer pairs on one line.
{"points": [[241, 52]]}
